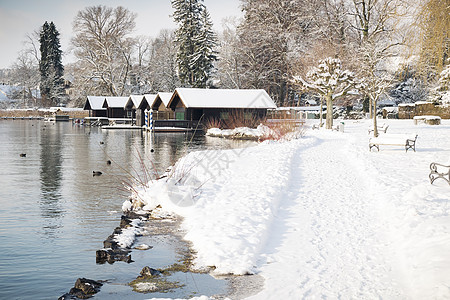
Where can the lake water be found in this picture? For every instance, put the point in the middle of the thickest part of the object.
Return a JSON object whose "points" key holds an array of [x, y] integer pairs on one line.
{"points": [[54, 214]]}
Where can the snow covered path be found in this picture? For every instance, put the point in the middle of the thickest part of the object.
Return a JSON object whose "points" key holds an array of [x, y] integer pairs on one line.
{"points": [[330, 245], [322, 216]]}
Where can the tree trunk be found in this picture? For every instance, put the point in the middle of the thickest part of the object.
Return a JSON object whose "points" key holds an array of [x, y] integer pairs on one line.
{"points": [[321, 112], [370, 108], [374, 111], [329, 120]]}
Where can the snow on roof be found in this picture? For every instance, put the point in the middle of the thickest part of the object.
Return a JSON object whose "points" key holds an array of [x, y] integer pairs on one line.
{"points": [[136, 99], [115, 102], [150, 98], [4, 90], [95, 102], [165, 97], [223, 98]]}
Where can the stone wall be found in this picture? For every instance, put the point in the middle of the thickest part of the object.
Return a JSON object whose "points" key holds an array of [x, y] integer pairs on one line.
{"points": [[409, 111], [25, 113]]}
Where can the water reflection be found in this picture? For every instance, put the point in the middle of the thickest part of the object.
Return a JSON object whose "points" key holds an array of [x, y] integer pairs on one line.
{"points": [[50, 179]]}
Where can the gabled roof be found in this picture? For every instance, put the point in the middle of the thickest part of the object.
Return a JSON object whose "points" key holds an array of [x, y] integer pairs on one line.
{"points": [[94, 103], [148, 99], [161, 98], [221, 98], [115, 102], [134, 101]]}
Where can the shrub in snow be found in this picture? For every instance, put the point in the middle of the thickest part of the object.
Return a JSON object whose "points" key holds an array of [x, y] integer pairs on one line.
{"points": [[409, 91], [442, 91]]}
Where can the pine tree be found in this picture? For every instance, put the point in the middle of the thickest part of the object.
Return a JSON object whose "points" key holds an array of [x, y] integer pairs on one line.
{"points": [[205, 55], [44, 64], [196, 42], [51, 67]]}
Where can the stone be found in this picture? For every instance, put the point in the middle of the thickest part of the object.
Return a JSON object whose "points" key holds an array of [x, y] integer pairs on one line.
{"points": [[83, 289], [112, 255], [149, 272]]}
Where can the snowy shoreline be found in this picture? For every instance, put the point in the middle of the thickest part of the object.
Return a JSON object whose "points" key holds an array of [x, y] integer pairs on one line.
{"points": [[319, 216]]}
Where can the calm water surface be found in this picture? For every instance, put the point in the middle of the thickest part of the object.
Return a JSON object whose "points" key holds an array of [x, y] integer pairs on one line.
{"points": [[54, 214]]}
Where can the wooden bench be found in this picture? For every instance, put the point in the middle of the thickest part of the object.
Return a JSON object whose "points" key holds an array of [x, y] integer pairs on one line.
{"points": [[406, 140], [383, 128], [439, 171]]}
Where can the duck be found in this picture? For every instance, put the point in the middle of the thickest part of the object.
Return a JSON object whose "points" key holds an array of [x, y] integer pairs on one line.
{"points": [[108, 162], [23, 155], [101, 142], [96, 173]]}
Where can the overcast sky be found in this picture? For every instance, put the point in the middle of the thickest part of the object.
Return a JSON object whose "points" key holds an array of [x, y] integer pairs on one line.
{"points": [[19, 17]]}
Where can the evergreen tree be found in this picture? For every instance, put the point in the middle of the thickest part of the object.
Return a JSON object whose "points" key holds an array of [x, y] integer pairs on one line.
{"points": [[43, 64], [196, 42], [51, 67]]}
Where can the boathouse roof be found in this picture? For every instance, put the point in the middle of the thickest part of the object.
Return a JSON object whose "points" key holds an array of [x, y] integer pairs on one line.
{"points": [[134, 101], [163, 98], [148, 99], [221, 98], [94, 103], [115, 102]]}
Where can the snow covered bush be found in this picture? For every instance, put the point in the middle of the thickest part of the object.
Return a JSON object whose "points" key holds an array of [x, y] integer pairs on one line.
{"points": [[409, 91], [442, 93]]}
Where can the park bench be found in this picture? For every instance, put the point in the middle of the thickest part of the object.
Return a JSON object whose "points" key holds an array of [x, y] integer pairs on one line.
{"points": [[406, 140], [439, 171], [383, 128]]}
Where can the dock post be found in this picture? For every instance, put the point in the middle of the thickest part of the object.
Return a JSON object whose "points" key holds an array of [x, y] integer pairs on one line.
{"points": [[151, 120], [146, 119]]}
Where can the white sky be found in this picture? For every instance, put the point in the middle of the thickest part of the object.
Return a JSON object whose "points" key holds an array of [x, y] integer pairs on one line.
{"points": [[20, 17]]}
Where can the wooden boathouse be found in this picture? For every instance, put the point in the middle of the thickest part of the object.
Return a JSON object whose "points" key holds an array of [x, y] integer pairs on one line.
{"points": [[194, 105]]}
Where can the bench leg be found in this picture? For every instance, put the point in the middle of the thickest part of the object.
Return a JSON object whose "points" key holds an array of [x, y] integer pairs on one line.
{"points": [[434, 174], [374, 145], [410, 144]]}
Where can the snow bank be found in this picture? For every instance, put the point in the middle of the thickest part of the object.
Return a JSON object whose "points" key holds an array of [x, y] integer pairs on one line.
{"points": [[239, 132], [227, 199], [319, 217]]}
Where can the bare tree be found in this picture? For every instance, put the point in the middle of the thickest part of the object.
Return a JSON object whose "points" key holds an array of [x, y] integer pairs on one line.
{"points": [[271, 36], [25, 70], [378, 24], [163, 67], [229, 65], [25, 73], [104, 48], [433, 35]]}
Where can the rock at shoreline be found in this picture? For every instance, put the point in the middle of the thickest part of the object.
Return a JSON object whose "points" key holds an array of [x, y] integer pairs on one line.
{"points": [[83, 289], [149, 272], [143, 247], [112, 255]]}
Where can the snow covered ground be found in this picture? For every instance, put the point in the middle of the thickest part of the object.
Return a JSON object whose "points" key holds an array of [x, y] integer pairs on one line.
{"points": [[320, 217]]}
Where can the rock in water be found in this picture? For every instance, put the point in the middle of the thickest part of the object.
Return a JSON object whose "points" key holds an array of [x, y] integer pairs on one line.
{"points": [[143, 247], [149, 272], [83, 289]]}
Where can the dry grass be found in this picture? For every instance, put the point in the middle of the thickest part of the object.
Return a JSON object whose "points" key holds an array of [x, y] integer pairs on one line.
{"points": [[283, 129], [241, 119], [235, 119]]}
